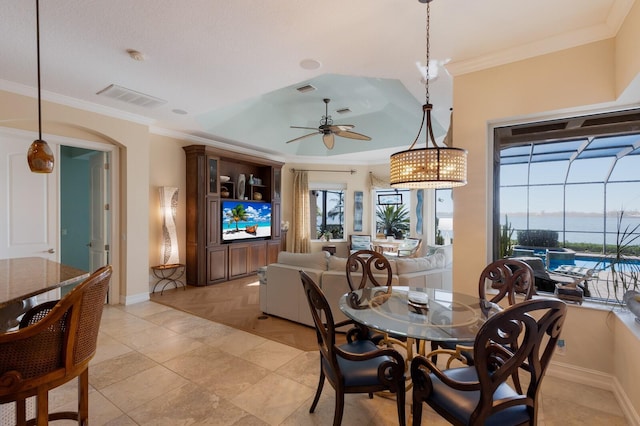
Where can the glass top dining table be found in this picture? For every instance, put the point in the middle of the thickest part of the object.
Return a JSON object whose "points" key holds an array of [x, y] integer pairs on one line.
{"points": [[436, 314]]}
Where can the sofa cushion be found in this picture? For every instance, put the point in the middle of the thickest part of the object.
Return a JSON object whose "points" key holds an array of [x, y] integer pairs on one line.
{"points": [[337, 263], [317, 260], [405, 266], [447, 252]]}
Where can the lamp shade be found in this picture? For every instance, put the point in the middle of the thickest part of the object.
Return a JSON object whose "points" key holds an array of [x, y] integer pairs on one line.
{"points": [[169, 204], [40, 157], [428, 168]]}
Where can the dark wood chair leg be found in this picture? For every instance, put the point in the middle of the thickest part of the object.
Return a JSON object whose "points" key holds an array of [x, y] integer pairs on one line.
{"points": [[416, 413], [337, 417], [318, 392]]}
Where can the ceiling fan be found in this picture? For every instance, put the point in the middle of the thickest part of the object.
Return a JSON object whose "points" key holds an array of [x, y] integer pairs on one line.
{"points": [[327, 129]]}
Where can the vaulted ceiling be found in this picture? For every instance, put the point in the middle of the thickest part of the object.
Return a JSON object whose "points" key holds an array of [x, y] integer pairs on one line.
{"points": [[228, 71]]}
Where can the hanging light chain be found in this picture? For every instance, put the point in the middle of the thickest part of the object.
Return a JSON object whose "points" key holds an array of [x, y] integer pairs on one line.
{"points": [[38, 57], [427, 70]]}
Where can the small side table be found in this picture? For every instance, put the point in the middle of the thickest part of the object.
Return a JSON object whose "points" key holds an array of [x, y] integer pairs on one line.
{"points": [[331, 248], [168, 274]]}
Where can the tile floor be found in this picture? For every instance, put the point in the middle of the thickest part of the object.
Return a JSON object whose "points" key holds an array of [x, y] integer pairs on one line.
{"points": [[159, 366]]}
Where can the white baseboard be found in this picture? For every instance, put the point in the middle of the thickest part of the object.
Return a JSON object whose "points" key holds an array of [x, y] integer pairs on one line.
{"points": [[136, 298], [598, 380]]}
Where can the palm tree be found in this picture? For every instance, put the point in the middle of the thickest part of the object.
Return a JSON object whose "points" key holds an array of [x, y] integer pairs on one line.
{"points": [[237, 214], [393, 219]]}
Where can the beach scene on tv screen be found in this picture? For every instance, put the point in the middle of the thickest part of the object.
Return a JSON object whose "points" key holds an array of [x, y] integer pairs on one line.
{"points": [[245, 219]]}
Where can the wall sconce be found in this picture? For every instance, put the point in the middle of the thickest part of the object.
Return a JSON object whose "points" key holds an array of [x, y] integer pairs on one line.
{"points": [[169, 205]]}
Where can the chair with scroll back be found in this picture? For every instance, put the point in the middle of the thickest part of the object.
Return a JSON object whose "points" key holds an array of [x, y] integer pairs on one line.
{"points": [[480, 394], [369, 269], [509, 277], [358, 366], [54, 344]]}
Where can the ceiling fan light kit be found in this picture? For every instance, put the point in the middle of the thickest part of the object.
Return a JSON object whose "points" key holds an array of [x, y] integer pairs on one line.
{"points": [[327, 129], [429, 167], [39, 156]]}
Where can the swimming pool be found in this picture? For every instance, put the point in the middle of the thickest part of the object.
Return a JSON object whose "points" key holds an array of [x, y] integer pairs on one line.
{"points": [[601, 262]]}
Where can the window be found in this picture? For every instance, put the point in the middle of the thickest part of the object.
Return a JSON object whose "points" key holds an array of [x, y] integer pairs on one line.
{"points": [[571, 177], [327, 207], [444, 216], [393, 213]]}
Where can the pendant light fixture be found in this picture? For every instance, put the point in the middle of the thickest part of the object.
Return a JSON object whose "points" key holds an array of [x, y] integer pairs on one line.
{"points": [[429, 167], [39, 156]]}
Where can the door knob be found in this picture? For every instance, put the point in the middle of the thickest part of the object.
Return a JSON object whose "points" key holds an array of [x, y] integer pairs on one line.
{"points": [[52, 251]]}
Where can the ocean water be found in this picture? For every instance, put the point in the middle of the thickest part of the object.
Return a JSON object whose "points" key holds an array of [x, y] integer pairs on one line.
{"points": [[578, 228]]}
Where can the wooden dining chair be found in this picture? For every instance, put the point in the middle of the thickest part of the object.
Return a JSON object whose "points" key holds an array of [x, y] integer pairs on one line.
{"points": [[480, 394], [54, 344], [506, 278], [358, 366], [368, 268]]}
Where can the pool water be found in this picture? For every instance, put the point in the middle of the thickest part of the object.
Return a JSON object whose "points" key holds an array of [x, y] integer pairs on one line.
{"points": [[601, 263]]}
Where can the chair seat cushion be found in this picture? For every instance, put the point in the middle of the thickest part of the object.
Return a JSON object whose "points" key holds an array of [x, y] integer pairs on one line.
{"points": [[358, 373], [461, 404]]}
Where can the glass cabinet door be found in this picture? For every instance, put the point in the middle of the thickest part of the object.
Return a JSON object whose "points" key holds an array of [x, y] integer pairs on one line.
{"points": [[212, 166], [277, 181]]}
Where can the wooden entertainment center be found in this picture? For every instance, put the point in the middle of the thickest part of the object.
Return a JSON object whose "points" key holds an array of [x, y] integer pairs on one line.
{"points": [[209, 259]]}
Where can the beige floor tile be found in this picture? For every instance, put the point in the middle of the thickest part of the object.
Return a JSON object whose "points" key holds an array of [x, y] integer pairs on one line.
{"points": [[559, 412], [145, 309], [108, 348], [146, 337], [188, 405], [219, 372], [113, 370], [273, 398], [177, 321], [143, 387], [271, 355], [123, 326], [554, 388], [122, 420], [101, 410], [237, 342], [170, 347], [210, 331], [305, 369]]}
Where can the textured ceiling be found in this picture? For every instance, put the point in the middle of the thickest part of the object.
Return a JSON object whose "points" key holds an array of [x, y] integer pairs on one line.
{"points": [[234, 66]]}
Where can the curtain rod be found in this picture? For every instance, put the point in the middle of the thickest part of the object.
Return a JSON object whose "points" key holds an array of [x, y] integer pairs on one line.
{"points": [[352, 171]]}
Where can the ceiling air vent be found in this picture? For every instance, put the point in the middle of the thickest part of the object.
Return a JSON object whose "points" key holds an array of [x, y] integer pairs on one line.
{"points": [[343, 111], [131, 96], [306, 88]]}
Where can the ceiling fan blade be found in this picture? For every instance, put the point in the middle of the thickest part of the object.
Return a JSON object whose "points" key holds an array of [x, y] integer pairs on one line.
{"points": [[302, 137], [341, 127], [328, 140], [308, 128], [353, 135]]}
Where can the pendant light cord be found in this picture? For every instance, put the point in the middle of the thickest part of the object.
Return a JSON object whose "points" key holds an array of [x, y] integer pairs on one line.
{"points": [[426, 108], [38, 60]]}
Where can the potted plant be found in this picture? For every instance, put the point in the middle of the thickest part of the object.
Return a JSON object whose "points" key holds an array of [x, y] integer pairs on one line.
{"points": [[393, 220], [622, 271]]}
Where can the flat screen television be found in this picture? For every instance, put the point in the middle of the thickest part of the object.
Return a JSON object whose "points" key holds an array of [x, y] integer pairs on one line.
{"points": [[245, 220]]}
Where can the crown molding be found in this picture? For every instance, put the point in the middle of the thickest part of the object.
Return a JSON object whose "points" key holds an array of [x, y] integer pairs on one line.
{"points": [[619, 11]]}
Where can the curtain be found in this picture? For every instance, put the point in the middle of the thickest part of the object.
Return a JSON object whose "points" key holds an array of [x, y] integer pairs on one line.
{"points": [[378, 182], [301, 209]]}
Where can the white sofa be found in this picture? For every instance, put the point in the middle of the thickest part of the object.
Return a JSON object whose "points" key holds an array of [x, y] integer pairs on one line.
{"points": [[285, 297]]}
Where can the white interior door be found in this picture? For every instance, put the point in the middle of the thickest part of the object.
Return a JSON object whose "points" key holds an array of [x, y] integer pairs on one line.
{"points": [[29, 202], [100, 209]]}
